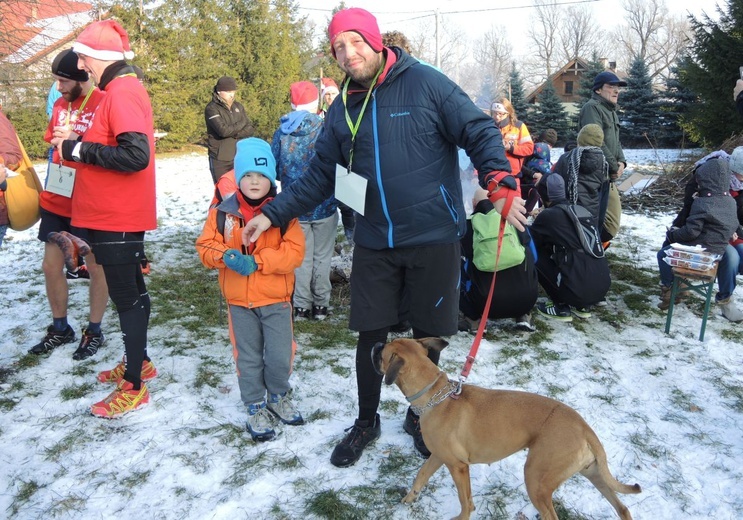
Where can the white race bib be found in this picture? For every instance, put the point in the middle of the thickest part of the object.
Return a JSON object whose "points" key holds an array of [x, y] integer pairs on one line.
{"points": [[60, 180], [350, 189]]}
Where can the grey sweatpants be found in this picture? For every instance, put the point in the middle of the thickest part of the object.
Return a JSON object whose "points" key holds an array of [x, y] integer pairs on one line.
{"points": [[312, 285], [263, 349]]}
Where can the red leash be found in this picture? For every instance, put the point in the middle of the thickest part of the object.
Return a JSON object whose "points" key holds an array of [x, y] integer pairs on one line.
{"points": [[508, 193]]}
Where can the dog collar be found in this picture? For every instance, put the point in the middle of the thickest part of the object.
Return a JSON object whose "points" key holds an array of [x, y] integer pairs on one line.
{"points": [[436, 399], [425, 389]]}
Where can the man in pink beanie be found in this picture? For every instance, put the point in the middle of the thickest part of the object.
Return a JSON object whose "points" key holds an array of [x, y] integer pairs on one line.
{"points": [[115, 200], [397, 125]]}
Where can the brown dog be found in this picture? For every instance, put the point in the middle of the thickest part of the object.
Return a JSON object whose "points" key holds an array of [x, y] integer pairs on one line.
{"points": [[484, 426]]}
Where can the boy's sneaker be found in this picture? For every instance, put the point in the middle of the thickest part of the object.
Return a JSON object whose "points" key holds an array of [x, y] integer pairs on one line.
{"points": [[52, 340], [359, 436], [121, 401], [301, 314], [319, 312], [283, 408], [581, 312], [412, 426], [116, 374], [81, 273], [260, 422], [89, 345], [525, 323], [555, 311]]}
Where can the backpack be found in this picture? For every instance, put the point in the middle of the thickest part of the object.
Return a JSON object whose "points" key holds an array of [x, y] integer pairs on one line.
{"points": [[585, 229], [485, 229]]}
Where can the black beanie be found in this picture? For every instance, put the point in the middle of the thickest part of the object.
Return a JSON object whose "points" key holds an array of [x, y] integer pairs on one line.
{"points": [[226, 84], [65, 66]]}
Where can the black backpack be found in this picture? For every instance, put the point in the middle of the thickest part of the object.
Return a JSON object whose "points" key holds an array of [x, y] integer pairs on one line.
{"points": [[590, 238]]}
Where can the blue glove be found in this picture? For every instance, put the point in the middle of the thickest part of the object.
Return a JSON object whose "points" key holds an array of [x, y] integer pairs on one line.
{"points": [[240, 263]]}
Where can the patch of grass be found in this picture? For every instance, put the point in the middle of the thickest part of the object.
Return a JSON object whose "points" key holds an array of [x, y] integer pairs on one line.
{"points": [[195, 305], [7, 405], [207, 374], [638, 303], [394, 464], [196, 461], [83, 369], [65, 445], [291, 462], [539, 336], [26, 490], [71, 392], [341, 370], [390, 406], [732, 334], [544, 354], [645, 442], [318, 415], [134, 481], [67, 505], [684, 401], [329, 504], [5, 374], [563, 513], [28, 361], [329, 333]]}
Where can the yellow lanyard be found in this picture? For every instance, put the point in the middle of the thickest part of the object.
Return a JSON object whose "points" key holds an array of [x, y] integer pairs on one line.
{"points": [[354, 127], [70, 120]]}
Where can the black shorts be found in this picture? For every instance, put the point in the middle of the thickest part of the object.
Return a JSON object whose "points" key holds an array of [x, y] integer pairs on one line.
{"points": [[429, 275], [51, 222], [117, 247]]}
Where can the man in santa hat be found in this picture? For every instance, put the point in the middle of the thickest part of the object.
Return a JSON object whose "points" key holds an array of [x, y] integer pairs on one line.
{"points": [[327, 94], [397, 127], [115, 200]]}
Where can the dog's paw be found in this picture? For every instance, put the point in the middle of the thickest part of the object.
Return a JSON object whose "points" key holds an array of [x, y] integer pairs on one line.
{"points": [[411, 497]]}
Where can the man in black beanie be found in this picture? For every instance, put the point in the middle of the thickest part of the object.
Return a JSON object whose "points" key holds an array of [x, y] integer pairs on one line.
{"points": [[72, 115], [226, 123]]}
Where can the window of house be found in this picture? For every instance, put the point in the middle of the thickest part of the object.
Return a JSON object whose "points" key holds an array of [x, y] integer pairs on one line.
{"points": [[569, 88]]}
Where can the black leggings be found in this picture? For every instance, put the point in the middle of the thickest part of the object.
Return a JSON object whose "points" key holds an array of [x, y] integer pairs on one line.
{"points": [[127, 289], [368, 381]]}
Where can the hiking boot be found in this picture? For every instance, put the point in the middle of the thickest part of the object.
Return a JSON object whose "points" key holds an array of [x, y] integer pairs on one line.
{"points": [[412, 426], [525, 323], [359, 436], [81, 273], [121, 401], [89, 345], [52, 340], [319, 312], [301, 314], [260, 422], [283, 408], [469, 325], [116, 374], [556, 311], [665, 298], [581, 312], [729, 310], [401, 328]]}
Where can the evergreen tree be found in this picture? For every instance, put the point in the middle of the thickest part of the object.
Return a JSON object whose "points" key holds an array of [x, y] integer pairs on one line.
{"points": [[710, 71], [639, 108], [674, 104], [549, 112], [594, 67], [518, 98]]}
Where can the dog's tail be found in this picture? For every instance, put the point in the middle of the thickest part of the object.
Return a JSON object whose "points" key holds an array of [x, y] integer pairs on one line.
{"points": [[598, 472]]}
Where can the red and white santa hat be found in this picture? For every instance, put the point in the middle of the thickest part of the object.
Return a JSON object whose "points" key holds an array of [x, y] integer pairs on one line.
{"points": [[328, 85], [304, 96], [105, 40]]}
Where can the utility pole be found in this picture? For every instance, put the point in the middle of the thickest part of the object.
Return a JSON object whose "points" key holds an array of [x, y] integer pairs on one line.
{"points": [[438, 40]]}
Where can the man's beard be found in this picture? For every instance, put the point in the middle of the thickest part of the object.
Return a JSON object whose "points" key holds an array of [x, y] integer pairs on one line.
{"points": [[365, 75], [73, 94]]}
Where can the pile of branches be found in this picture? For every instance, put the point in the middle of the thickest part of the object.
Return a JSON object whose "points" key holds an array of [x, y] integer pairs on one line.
{"points": [[666, 193]]}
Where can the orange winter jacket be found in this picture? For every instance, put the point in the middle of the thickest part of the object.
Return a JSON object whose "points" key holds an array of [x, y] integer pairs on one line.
{"points": [[518, 144], [277, 257]]}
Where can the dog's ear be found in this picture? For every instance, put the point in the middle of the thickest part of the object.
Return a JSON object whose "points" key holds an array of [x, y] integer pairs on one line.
{"points": [[393, 369], [436, 344]]}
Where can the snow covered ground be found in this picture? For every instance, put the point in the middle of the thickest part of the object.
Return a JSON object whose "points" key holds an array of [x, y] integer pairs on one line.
{"points": [[668, 408]]}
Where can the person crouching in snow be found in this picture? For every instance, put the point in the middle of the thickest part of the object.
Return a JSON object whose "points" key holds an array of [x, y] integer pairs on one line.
{"points": [[257, 284], [708, 218]]}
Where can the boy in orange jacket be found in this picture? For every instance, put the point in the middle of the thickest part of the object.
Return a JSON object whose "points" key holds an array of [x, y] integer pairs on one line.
{"points": [[257, 284]]}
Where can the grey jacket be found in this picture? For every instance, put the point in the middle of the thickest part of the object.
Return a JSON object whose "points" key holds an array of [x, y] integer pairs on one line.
{"points": [[713, 217]]}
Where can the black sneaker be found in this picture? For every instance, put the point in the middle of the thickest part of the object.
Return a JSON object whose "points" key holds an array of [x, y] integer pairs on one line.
{"points": [[525, 323], [556, 311], [319, 312], [401, 328], [359, 436], [52, 340], [301, 314], [412, 426], [81, 273], [89, 345]]}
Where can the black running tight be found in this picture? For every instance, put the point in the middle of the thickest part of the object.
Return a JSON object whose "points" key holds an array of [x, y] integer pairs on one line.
{"points": [[368, 381]]}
